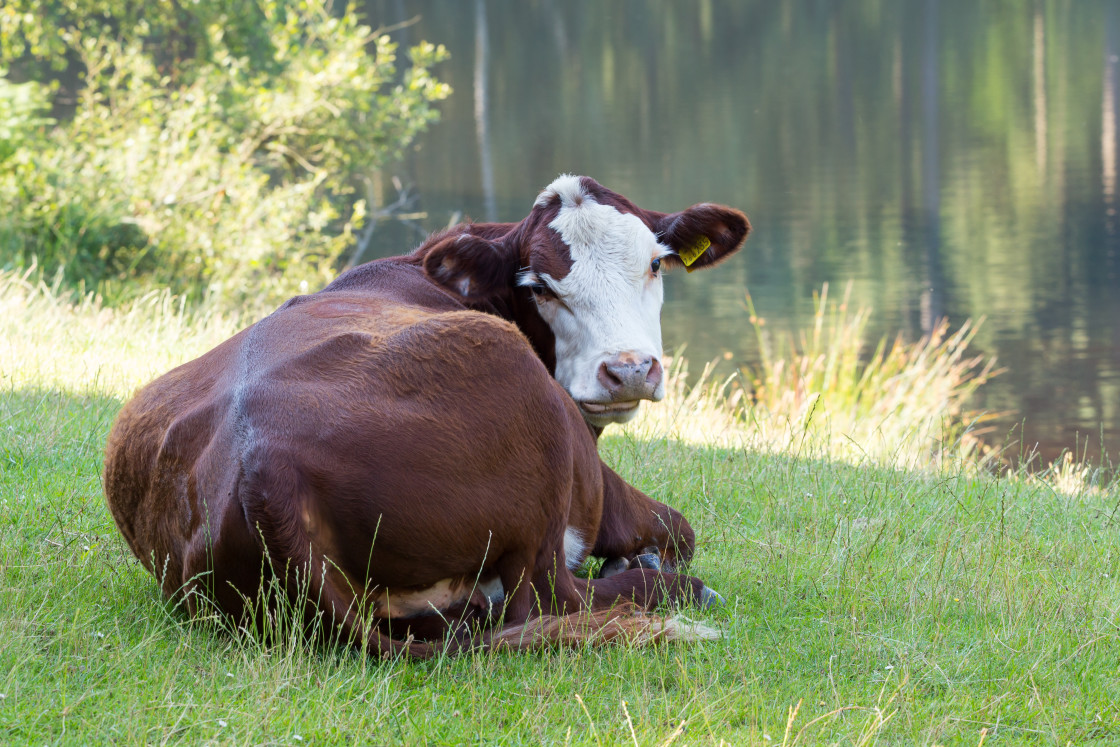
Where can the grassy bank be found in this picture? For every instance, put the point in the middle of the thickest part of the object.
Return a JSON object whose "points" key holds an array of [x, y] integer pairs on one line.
{"points": [[868, 600]]}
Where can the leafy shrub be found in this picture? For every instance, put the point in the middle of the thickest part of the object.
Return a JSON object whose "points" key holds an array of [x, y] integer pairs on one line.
{"points": [[20, 115], [237, 180]]}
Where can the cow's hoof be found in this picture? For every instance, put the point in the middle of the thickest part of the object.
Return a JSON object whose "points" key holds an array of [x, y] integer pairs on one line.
{"points": [[612, 566], [650, 561], [710, 599]]}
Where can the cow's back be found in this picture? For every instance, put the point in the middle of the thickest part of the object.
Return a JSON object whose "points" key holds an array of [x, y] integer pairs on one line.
{"points": [[161, 434], [343, 426], [391, 430]]}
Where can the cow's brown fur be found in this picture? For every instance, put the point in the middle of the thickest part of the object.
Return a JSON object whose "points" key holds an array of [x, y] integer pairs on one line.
{"points": [[389, 437]]}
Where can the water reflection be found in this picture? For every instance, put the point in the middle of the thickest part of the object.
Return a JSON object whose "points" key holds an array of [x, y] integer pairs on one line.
{"points": [[1108, 126], [482, 111], [952, 158]]}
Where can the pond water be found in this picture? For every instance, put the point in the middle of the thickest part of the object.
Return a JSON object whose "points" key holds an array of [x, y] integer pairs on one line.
{"points": [[949, 158]]}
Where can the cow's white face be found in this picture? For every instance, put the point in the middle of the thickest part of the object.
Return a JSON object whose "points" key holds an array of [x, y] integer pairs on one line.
{"points": [[592, 260], [605, 312]]}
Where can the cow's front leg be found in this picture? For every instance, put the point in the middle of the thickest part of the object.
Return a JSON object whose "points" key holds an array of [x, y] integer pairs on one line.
{"points": [[650, 589], [637, 532]]}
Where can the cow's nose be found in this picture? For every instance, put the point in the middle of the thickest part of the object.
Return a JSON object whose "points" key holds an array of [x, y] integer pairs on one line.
{"points": [[629, 376]]}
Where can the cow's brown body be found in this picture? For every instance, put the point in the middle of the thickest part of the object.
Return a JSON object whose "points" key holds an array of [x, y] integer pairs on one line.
{"points": [[401, 450]]}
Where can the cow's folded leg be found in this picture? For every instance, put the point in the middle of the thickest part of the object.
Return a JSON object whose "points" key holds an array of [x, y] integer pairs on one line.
{"points": [[647, 589]]}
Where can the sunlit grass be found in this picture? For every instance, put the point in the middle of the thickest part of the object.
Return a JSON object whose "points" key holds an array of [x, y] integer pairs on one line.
{"points": [[56, 339], [867, 601], [824, 391]]}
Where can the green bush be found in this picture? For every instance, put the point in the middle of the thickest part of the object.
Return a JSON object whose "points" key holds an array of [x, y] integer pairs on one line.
{"points": [[20, 115], [234, 179]]}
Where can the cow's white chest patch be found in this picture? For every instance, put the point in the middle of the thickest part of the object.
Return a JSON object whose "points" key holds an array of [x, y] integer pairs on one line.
{"points": [[574, 548]]}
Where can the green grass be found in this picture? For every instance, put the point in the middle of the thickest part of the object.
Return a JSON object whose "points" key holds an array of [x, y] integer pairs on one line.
{"points": [[866, 602]]}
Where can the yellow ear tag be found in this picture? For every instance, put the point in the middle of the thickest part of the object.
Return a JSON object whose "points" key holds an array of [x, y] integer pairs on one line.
{"points": [[694, 252]]}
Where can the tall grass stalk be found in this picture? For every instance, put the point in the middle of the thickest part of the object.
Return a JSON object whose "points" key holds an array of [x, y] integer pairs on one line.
{"points": [[905, 402], [821, 391]]}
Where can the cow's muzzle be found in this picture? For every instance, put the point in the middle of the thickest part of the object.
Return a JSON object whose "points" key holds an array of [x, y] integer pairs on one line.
{"points": [[629, 377], [624, 381]]}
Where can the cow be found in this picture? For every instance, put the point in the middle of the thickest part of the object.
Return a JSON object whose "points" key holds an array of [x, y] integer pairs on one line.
{"points": [[414, 447]]}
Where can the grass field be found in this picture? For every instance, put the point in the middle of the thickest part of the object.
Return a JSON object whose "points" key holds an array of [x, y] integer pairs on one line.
{"points": [[866, 602]]}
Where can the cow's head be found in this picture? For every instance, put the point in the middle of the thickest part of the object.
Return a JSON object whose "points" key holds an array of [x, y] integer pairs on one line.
{"points": [[581, 276]]}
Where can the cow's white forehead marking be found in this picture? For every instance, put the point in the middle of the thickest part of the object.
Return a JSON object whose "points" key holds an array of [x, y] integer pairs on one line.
{"points": [[605, 240], [567, 187]]}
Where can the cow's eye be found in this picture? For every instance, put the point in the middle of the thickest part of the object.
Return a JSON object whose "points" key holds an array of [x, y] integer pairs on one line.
{"points": [[540, 289], [654, 266]]}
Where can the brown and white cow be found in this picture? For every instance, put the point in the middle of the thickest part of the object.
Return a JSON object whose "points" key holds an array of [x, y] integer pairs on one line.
{"points": [[418, 439]]}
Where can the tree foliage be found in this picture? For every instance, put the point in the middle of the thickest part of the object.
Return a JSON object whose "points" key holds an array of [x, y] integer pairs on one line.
{"points": [[20, 115], [215, 171]]}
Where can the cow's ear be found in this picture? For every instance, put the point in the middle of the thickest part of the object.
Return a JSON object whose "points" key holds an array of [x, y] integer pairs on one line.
{"points": [[471, 266], [703, 235]]}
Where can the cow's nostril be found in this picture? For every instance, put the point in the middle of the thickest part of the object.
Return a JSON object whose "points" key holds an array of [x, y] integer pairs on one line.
{"points": [[609, 378], [653, 377]]}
